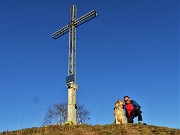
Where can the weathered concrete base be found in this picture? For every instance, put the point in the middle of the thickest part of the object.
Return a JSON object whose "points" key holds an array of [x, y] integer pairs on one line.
{"points": [[72, 88]]}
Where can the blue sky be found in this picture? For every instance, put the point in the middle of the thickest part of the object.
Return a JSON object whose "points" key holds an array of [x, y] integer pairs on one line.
{"points": [[131, 48]]}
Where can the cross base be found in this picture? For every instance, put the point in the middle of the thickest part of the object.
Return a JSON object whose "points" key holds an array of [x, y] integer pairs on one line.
{"points": [[72, 88]]}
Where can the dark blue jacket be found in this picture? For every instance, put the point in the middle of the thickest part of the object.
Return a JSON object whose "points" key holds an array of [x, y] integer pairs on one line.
{"points": [[135, 105]]}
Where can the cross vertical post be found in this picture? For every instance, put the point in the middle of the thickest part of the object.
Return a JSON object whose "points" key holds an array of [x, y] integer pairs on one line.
{"points": [[71, 85], [72, 44], [71, 78]]}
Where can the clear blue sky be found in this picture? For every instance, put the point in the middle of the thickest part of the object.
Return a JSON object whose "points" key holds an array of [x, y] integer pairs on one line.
{"points": [[131, 48]]}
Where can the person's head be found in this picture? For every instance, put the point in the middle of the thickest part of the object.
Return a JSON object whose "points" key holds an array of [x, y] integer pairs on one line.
{"points": [[127, 99]]}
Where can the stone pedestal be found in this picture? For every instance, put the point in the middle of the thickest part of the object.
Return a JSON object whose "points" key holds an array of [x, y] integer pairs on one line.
{"points": [[72, 88]]}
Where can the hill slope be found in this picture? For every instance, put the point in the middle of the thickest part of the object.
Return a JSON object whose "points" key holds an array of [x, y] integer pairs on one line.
{"points": [[129, 129]]}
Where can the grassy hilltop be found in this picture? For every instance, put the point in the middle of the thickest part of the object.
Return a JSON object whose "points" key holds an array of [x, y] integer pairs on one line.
{"points": [[129, 129]]}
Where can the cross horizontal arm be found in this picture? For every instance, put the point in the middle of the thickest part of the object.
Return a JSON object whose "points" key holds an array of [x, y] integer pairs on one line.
{"points": [[85, 18], [76, 23], [61, 32]]}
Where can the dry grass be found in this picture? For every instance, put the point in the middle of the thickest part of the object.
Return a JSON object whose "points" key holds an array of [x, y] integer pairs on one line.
{"points": [[129, 129]]}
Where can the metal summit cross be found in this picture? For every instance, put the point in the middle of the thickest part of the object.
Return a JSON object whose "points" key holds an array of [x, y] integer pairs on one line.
{"points": [[71, 78]]}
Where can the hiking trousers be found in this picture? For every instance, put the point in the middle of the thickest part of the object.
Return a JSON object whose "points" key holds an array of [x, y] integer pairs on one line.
{"points": [[134, 114]]}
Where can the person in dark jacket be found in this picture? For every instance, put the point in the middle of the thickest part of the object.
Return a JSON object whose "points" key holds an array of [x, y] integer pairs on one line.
{"points": [[132, 109]]}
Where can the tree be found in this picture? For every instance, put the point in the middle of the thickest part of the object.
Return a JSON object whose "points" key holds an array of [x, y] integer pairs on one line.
{"points": [[58, 114]]}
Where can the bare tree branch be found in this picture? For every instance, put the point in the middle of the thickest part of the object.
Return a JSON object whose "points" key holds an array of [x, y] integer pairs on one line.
{"points": [[58, 112]]}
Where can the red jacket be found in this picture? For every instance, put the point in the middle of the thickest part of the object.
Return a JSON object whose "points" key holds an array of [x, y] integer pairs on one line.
{"points": [[129, 108]]}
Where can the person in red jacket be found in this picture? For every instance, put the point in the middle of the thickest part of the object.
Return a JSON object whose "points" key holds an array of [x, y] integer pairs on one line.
{"points": [[132, 109]]}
